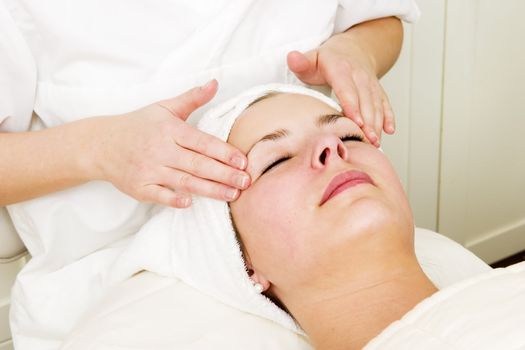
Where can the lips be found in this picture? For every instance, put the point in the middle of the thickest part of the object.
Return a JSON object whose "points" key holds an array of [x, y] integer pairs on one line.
{"points": [[343, 182]]}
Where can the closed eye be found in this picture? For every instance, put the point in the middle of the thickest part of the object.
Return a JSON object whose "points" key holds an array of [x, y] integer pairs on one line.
{"points": [[349, 137], [277, 162], [352, 137]]}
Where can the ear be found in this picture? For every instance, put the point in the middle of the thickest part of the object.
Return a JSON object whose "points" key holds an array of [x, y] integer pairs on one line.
{"points": [[258, 277]]}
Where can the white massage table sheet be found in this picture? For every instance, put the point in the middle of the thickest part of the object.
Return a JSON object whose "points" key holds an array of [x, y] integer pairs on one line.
{"points": [[153, 312], [483, 312]]}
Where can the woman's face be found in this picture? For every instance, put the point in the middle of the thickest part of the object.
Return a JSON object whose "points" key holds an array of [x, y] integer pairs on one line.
{"points": [[293, 234]]}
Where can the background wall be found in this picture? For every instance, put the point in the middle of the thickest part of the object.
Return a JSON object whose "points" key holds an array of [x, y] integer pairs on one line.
{"points": [[7, 277], [415, 89], [458, 92]]}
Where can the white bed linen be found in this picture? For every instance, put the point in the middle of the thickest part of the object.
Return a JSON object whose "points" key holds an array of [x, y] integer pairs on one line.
{"points": [[69, 60], [486, 312], [153, 312]]}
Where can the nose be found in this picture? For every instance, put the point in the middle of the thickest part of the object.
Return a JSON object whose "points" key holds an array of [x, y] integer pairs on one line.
{"points": [[327, 148]]}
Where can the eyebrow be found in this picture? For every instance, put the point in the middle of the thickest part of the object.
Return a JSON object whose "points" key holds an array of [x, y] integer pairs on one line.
{"points": [[322, 120], [274, 136], [327, 119]]}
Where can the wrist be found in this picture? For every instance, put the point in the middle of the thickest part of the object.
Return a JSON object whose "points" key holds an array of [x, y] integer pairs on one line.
{"points": [[345, 45], [90, 143]]}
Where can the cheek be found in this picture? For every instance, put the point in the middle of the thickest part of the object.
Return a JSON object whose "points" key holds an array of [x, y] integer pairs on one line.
{"points": [[387, 179], [267, 216], [378, 165], [392, 184]]}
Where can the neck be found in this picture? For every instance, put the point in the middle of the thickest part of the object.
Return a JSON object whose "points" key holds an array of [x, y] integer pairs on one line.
{"points": [[349, 316]]}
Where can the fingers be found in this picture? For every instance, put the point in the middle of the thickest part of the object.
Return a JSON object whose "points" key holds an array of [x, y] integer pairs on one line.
{"points": [[165, 160], [197, 163], [364, 101], [378, 118], [368, 107], [207, 168], [175, 188], [165, 196], [346, 92], [389, 124], [183, 182], [298, 62], [204, 165], [305, 66], [358, 93], [183, 105], [211, 146]]}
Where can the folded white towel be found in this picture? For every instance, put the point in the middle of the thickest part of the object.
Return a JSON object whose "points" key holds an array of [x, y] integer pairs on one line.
{"points": [[198, 244]]}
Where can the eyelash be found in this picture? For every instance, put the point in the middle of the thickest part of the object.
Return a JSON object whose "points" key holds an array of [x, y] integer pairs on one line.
{"points": [[349, 137], [352, 137]]}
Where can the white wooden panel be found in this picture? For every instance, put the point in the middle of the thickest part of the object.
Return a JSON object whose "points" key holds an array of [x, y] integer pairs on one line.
{"points": [[6, 346], [415, 89], [11, 247], [425, 112], [397, 86], [7, 277], [5, 333], [482, 194]]}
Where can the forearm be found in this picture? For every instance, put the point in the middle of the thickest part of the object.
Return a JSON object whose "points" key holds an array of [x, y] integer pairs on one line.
{"points": [[379, 39], [40, 162]]}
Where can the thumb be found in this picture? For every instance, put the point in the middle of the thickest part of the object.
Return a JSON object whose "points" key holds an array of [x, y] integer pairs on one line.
{"points": [[183, 105], [305, 67]]}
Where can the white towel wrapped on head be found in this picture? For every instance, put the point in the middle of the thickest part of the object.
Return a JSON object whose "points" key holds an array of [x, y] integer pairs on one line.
{"points": [[198, 245]]}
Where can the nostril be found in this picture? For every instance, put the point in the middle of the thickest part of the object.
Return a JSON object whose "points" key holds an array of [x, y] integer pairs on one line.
{"points": [[324, 155]]}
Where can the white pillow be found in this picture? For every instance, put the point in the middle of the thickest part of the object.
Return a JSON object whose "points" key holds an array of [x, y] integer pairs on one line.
{"points": [[153, 312], [445, 261]]}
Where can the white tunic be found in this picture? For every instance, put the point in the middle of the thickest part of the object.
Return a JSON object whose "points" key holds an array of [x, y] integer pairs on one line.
{"points": [[70, 60]]}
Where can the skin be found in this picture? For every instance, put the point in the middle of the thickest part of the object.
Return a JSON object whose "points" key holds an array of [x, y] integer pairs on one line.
{"points": [[351, 63], [127, 151], [344, 269], [151, 154]]}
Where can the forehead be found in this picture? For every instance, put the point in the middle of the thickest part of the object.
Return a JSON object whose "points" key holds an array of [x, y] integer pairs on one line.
{"points": [[280, 111]]}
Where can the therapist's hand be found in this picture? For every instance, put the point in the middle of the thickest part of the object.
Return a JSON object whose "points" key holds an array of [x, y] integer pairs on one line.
{"points": [[350, 63], [153, 155], [351, 75]]}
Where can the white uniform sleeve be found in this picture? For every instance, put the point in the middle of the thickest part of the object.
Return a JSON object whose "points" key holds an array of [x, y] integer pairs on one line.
{"points": [[17, 76], [352, 12]]}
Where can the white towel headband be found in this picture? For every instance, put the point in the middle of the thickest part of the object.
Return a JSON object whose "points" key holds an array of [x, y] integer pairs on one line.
{"points": [[219, 120]]}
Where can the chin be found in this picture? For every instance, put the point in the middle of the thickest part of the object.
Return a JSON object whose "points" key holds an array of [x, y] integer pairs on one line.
{"points": [[369, 215]]}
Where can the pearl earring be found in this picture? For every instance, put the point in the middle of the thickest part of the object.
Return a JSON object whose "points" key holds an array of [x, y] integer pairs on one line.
{"points": [[258, 287]]}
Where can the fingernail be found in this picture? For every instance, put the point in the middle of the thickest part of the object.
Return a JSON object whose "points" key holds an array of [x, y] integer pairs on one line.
{"points": [[207, 85], [231, 193], [360, 121], [373, 136], [185, 202], [239, 162], [242, 181], [391, 129]]}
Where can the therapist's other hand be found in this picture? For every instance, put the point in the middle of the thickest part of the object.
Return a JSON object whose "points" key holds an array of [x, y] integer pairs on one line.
{"points": [[153, 155], [350, 72]]}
